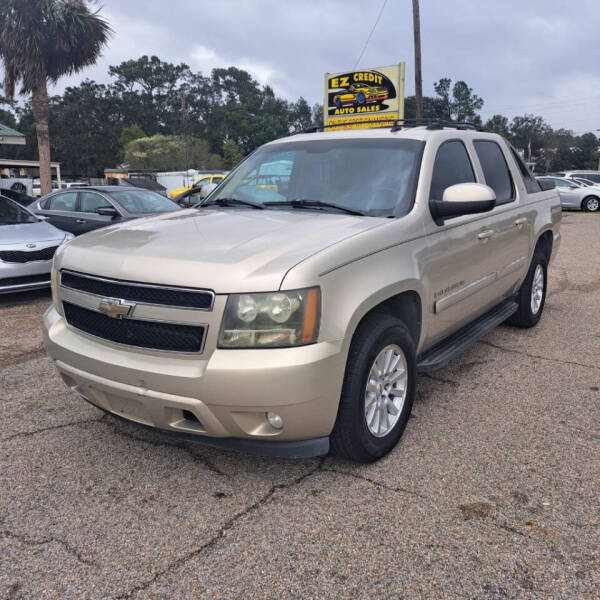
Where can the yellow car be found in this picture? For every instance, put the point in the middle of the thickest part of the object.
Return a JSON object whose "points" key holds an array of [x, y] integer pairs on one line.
{"points": [[360, 94], [202, 180]]}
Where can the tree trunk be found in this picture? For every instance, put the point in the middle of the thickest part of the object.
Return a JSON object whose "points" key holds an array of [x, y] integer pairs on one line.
{"points": [[40, 114]]}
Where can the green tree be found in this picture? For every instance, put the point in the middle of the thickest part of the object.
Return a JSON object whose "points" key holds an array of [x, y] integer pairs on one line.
{"points": [[232, 154], [168, 153], [585, 154], [130, 134], [529, 129], [459, 105], [498, 124], [40, 41]]}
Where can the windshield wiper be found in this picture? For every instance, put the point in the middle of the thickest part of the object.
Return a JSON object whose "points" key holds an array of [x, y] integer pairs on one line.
{"points": [[232, 202], [302, 203]]}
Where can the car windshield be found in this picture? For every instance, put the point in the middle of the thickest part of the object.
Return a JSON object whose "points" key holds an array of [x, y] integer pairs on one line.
{"points": [[12, 213], [376, 177], [143, 201]]}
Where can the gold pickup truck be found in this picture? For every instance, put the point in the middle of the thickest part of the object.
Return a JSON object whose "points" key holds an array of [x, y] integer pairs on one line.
{"points": [[295, 319]]}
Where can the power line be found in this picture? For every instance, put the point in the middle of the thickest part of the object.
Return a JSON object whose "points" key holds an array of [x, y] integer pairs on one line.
{"points": [[370, 34]]}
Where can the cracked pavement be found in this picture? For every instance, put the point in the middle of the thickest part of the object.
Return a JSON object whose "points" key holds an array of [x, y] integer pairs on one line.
{"points": [[492, 492]]}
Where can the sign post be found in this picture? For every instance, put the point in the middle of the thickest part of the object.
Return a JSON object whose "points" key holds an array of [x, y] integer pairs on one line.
{"points": [[354, 97]]}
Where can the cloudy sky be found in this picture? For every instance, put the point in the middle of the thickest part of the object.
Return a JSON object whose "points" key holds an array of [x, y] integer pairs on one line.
{"points": [[535, 56]]}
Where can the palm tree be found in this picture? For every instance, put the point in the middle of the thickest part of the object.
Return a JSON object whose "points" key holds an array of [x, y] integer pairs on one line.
{"points": [[40, 41]]}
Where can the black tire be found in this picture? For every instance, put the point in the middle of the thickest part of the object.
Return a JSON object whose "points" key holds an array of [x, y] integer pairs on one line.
{"points": [[525, 317], [351, 437], [591, 204], [338, 103]]}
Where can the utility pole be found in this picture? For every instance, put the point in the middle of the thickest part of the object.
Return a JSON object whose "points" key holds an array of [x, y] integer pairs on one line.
{"points": [[418, 80]]}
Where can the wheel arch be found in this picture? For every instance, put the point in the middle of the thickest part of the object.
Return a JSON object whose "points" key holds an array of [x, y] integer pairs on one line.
{"points": [[545, 242], [582, 206], [405, 305]]}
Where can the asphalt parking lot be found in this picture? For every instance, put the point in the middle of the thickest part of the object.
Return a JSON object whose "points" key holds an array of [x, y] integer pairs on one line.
{"points": [[494, 491]]}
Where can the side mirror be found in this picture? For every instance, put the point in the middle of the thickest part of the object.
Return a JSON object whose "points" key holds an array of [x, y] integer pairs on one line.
{"points": [[462, 199], [107, 211], [207, 189], [546, 184]]}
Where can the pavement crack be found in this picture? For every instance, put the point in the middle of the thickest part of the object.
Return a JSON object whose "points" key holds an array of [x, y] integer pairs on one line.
{"points": [[227, 526], [24, 357], [529, 355], [28, 541], [204, 460], [440, 379], [376, 483], [49, 428]]}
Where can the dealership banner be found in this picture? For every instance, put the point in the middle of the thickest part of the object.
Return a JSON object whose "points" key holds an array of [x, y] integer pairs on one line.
{"points": [[353, 97]]}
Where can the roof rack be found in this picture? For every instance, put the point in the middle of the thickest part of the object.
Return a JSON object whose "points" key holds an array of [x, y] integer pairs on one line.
{"points": [[398, 124]]}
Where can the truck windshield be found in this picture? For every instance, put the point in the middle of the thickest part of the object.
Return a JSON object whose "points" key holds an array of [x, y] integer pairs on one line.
{"points": [[374, 177]]}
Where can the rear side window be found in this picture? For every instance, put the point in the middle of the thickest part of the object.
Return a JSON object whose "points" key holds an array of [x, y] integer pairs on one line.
{"points": [[531, 185], [65, 202], [595, 177], [452, 165], [89, 202], [495, 170]]}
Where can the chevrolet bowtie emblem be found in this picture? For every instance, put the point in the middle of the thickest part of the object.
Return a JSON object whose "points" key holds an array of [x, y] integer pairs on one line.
{"points": [[115, 308]]}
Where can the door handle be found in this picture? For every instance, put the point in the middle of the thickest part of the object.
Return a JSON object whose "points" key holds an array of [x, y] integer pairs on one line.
{"points": [[520, 222], [485, 234], [80, 221]]}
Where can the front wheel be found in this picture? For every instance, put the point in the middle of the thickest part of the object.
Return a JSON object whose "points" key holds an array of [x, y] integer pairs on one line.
{"points": [[591, 204], [532, 295], [378, 390]]}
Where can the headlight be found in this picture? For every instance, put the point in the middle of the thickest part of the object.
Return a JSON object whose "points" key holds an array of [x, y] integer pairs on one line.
{"points": [[68, 237], [271, 320]]}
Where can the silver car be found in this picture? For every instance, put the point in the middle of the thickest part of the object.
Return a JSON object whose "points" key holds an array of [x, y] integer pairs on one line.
{"points": [[27, 246], [574, 194]]}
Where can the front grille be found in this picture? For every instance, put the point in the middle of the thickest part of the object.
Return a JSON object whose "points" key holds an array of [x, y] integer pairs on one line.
{"points": [[167, 296], [43, 278], [143, 334], [21, 256]]}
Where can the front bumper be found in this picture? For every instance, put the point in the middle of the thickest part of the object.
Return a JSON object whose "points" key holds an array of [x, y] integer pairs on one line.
{"points": [[20, 277], [221, 398]]}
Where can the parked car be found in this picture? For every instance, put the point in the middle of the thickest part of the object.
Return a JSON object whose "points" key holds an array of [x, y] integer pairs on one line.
{"points": [[18, 196], [574, 194], [80, 211], [358, 94], [591, 175], [203, 180], [27, 246], [286, 323], [195, 195]]}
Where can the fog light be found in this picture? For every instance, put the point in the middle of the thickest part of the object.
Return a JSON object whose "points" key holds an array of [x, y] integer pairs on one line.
{"points": [[274, 420]]}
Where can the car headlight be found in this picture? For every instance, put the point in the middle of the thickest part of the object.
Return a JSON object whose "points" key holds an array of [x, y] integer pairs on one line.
{"points": [[271, 320], [68, 237], [54, 289]]}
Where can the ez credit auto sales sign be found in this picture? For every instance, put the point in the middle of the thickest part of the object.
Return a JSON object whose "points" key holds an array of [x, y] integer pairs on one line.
{"points": [[354, 97]]}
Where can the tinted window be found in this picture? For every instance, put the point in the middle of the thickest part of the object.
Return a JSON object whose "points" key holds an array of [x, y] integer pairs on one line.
{"points": [[66, 202], [452, 166], [143, 201], [11, 213], [593, 176], [495, 170], [89, 202], [531, 185]]}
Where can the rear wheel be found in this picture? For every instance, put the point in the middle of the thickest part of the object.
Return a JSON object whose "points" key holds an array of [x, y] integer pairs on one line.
{"points": [[591, 204], [532, 295], [378, 391]]}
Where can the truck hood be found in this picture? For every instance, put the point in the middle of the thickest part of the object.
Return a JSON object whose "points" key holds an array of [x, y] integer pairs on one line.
{"points": [[227, 250]]}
